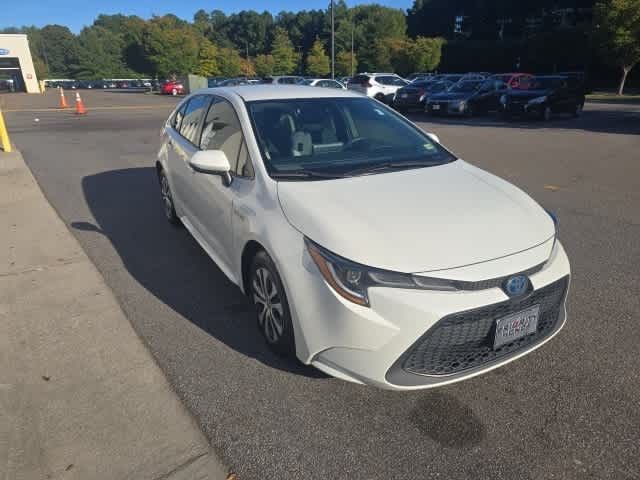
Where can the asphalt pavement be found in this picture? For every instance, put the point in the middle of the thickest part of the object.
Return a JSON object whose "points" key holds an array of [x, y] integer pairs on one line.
{"points": [[570, 410]]}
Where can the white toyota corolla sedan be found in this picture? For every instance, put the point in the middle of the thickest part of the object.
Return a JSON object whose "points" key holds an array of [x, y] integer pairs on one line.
{"points": [[369, 250]]}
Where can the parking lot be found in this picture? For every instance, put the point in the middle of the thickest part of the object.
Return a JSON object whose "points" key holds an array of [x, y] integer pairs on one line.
{"points": [[570, 410]]}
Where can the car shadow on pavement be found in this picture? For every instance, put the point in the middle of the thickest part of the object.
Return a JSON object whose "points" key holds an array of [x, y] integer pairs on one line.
{"points": [[170, 264], [612, 119]]}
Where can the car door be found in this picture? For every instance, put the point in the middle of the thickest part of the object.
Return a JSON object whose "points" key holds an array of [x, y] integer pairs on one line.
{"points": [[214, 199], [181, 145]]}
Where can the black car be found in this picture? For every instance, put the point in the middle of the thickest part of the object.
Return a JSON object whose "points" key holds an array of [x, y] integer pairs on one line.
{"points": [[415, 95], [544, 96], [454, 101]]}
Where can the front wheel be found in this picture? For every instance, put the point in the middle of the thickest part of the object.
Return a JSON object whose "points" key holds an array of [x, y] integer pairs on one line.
{"points": [[577, 110], [272, 308]]}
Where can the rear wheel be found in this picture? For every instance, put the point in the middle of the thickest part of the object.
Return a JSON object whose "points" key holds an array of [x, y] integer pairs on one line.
{"points": [[167, 199], [272, 308]]}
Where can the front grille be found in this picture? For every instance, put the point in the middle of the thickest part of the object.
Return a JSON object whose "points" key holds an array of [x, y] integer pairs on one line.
{"points": [[464, 340], [493, 282]]}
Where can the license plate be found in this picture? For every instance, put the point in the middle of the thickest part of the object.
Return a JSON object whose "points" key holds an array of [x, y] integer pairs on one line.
{"points": [[435, 107], [403, 95], [515, 326]]}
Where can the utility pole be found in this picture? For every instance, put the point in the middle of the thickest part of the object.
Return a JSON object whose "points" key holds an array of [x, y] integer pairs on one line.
{"points": [[352, 29], [333, 44], [246, 72]]}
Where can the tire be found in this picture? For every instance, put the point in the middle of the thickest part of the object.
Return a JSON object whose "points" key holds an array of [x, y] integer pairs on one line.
{"points": [[546, 113], [469, 111], [577, 110], [272, 308], [380, 97], [167, 199]]}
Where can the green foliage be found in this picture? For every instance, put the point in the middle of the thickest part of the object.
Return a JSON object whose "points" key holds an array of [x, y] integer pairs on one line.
{"points": [[285, 58], [418, 55], [343, 64], [375, 28], [99, 54], [229, 62], [207, 59], [318, 61], [264, 65], [171, 45], [61, 54], [618, 31]]}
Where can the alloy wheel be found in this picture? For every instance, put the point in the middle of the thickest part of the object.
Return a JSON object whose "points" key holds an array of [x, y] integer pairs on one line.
{"points": [[268, 300]]}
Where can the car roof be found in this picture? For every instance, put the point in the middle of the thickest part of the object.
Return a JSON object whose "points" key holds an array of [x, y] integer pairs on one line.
{"points": [[250, 93]]}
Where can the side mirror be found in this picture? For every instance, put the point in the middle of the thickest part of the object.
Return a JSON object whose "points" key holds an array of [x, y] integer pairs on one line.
{"points": [[212, 162], [433, 137]]}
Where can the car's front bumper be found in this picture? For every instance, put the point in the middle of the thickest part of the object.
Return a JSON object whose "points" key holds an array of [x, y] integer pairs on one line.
{"points": [[445, 108], [372, 345]]}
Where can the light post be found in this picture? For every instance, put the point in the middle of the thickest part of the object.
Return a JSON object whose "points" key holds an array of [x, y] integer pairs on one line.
{"points": [[333, 44]]}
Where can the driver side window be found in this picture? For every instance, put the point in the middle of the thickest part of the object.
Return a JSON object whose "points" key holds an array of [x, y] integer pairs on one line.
{"points": [[222, 131]]}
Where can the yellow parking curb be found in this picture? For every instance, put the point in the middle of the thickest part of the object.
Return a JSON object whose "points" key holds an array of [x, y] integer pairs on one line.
{"points": [[4, 135]]}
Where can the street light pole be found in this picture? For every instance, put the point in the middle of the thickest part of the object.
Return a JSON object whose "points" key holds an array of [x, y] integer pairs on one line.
{"points": [[352, 28], [333, 44]]}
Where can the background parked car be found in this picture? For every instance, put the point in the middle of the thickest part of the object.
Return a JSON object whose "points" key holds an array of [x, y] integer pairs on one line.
{"points": [[454, 100], [172, 87], [323, 82], [284, 80], [380, 86], [513, 80], [544, 96], [416, 94]]}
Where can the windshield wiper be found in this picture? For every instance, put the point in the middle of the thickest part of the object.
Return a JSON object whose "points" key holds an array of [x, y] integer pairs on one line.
{"points": [[310, 174], [378, 167]]}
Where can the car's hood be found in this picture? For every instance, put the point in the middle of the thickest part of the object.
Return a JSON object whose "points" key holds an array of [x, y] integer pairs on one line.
{"points": [[528, 94], [417, 220], [451, 96]]}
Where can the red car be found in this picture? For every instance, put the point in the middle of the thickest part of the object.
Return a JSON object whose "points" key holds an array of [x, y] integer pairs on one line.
{"points": [[515, 80], [172, 88]]}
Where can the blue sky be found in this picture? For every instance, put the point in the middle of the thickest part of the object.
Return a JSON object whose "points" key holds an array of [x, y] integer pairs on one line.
{"points": [[77, 13]]}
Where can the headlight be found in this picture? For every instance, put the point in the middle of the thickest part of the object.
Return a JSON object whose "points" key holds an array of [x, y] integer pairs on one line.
{"points": [[536, 100], [352, 280], [503, 99]]}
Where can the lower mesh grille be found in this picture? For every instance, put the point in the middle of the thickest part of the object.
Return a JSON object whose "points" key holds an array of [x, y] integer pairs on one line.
{"points": [[464, 340]]}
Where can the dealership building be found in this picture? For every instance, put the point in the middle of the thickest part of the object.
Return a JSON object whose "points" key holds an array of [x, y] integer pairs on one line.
{"points": [[16, 63]]}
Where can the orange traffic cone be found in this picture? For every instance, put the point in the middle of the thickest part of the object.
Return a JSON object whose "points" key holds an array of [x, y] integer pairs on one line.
{"points": [[80, 110], [63, 100]]}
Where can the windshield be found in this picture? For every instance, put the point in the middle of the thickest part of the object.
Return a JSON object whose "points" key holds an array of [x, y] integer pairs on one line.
{"points": [[465, 86], [338, 137]]}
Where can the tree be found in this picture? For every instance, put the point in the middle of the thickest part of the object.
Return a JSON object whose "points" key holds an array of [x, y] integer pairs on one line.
{"points": [[264, 65], [247, 67], [618, 30], [61, 50], [343, 64], [99, 54], [229, 62], [317, 60], [419, 55], [285, 58], [171, 46], [207, 59]]}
